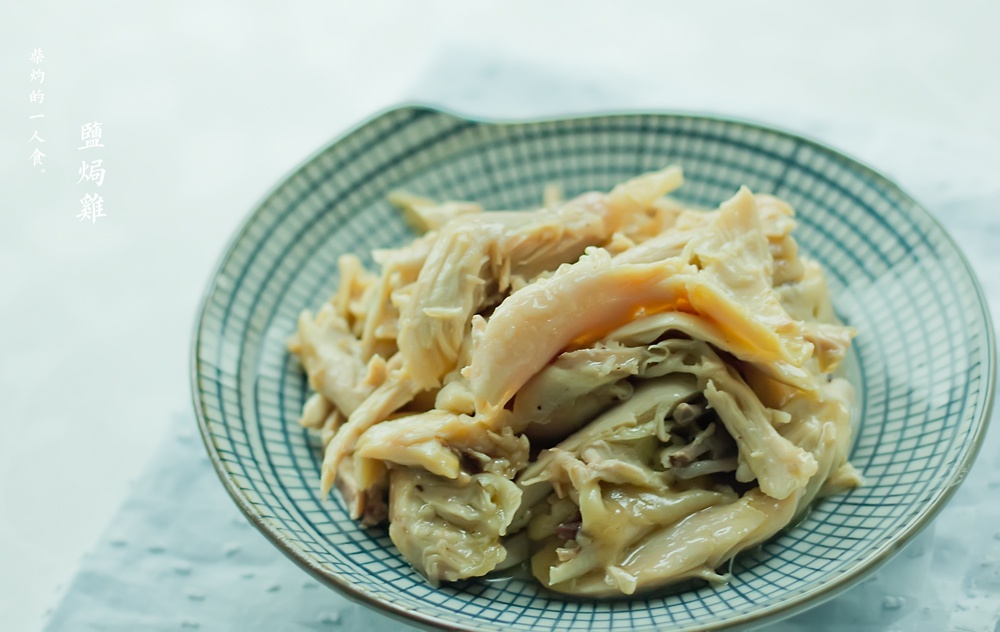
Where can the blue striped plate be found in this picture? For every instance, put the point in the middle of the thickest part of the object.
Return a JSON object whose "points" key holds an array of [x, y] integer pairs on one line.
{"points": [[923, 361]]}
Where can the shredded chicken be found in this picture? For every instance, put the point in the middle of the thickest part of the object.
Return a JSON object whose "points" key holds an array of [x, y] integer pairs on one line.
{"points": [[625, 391]]}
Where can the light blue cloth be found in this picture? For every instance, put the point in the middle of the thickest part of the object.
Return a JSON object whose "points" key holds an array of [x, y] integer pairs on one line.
{"points": [[180, 556]]}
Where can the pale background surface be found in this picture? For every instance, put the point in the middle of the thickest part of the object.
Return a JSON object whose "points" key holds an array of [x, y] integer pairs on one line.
{"points": [[205, 105]]}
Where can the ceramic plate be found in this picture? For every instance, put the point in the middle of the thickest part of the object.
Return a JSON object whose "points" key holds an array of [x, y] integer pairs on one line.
{"points": [[922, 363]]}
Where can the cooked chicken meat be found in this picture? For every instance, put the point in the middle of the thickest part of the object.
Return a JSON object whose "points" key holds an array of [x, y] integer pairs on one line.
{"points": [[626, 391]]}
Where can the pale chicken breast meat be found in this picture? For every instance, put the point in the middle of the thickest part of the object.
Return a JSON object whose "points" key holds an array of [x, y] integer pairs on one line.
{"points": [[616, 391]]}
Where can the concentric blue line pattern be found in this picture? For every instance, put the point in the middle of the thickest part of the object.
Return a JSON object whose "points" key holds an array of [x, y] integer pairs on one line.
{"points": [[922, 363]]}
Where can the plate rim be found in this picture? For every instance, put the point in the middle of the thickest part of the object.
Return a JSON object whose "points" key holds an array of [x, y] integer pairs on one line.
{"points": [[798, 603]]}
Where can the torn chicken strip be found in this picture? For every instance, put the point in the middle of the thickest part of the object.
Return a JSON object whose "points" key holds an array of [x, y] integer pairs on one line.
{"points": [[704, 468], [400, 268], [675, 226], [640, 193], [670, 243], [651, 400], [445, 444], [583, 300], [396, 390], [424, 214], [365, 504], [606, 469], [777, 223], [779, 466], [455, 395], [553, 195], [691, 548], [315, 411], [808, 299], [830, 343], [614, 519], [843, 479], [473, 252], [730, 287], [822, 426], [631, 420], [589, 463], [354, 284], [539, 241], [573, 389], [389, 397], [733, 286], [450, 288], [645, 331], [332, 358], [447, 529], [330, 426], [658, 217]]}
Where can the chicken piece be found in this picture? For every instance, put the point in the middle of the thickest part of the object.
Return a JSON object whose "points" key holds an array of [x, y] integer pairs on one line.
{"points": [[614, 519], [473, 252], [680, 456], [808, 299], [572, 390], [400, 269], [395, 390], [653, 399], [450, 288], [780, 467], [733, 286], [777, 225], [352, 289], [330, 426], [423, 214], [632, 420], [606, 469], [822, 426], [445, 444], [670, 243], [830, 344], [640, 193], [365, 504], [450, 530], [607, 463], [553, 195], [844, 478], [583, 300], [658, 217], [647, 330], [414, 441], [727, 283], [455, 395], [315, 411], [332, 358], [659, 243], [389, 397], [691, 548]]}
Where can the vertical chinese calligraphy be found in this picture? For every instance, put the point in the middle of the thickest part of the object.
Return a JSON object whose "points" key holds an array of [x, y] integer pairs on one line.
{"points": [[36, 77], [92, 171]]}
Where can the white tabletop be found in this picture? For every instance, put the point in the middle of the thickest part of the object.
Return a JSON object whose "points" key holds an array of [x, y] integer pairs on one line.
{"points": [[205, 105]]}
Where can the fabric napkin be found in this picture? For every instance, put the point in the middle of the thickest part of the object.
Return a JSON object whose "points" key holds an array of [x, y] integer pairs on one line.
{"points": [[179, 555]]}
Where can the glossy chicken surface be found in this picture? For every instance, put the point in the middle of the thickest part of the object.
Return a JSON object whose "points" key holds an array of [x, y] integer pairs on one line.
{"points": [[615, 391]]}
